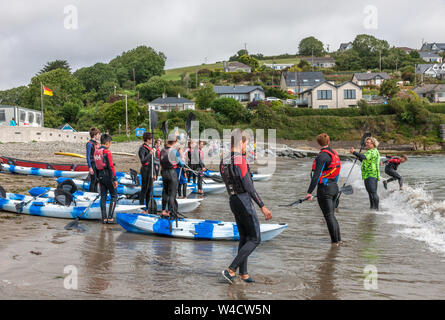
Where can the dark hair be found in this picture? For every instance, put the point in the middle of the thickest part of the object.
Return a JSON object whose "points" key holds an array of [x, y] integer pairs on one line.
{"points": [[147, 136], [105, 138], [94, 131]]}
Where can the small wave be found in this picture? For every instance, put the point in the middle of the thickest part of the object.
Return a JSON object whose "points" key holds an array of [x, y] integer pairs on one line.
{"points": [[422, 217]]}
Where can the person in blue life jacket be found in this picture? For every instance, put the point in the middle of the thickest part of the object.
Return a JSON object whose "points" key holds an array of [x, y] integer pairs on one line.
{"points": [[91, 147], [325, 173], [170, 161]]}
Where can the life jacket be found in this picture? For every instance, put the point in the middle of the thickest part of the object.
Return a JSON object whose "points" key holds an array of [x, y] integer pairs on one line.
{"points": [[149, 150], [332, 172], [99, 160], [393, 162], [94, 145], [166, 163], [233, 182]]}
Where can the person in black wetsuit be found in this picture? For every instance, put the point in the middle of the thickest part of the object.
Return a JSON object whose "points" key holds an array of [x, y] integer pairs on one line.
{"points": [[236, 175], [107, 177], [91, 147], [325, 172], [391, 166], [170, 160], [146, 156]]}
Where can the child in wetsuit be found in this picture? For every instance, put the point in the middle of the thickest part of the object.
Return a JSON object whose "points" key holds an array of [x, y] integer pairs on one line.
{"points": [[391, 169]]}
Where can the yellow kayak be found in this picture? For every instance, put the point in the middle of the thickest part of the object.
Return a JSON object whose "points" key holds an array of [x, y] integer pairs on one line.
{"points": [[69, 154]]}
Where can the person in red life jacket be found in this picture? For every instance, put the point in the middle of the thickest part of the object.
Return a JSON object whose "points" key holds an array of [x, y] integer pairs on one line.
{"points": [[238, 180], [391, 166], [146, 155], [91, 147], [157, 158], [170, 161], [325, 173], [197, 161], [107, 177], [182, 180]]}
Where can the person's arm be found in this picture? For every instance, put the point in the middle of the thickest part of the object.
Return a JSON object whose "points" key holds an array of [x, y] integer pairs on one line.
{"points": [[89, 149], [360, 156], [144, 155], [320, 163], [179, 159], [111, 164]]}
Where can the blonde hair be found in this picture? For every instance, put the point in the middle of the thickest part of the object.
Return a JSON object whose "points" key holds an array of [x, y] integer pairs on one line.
{"points": [[374, 141]]}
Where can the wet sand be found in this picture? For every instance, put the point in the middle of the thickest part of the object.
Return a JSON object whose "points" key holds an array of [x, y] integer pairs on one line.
{"points": [[299, 264]]}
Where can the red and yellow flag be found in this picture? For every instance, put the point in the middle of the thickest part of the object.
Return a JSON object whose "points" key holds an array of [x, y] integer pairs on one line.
{"points": [[47, 91]]}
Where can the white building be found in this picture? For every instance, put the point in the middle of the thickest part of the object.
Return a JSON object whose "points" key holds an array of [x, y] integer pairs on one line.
{"points": [[22, 116], [240, 93], [167, 104]]}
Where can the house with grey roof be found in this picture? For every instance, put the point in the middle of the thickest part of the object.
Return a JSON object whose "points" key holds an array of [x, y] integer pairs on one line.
{"points": [[429, 56], [370, 78], [167, 104], [236, 66], [297, 82], [434, 46], [320, 62], [278, 66], [345, 46], [433, 92], [326, 95], [240, 93], [436, 70]]}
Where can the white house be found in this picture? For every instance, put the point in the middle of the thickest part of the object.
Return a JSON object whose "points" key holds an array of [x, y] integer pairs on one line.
{"points": [[22, 116], [329, 96], [277, 66], [167, 104]]}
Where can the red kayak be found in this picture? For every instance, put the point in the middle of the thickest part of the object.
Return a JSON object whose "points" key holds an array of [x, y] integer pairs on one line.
{"points": [[43, 165]]}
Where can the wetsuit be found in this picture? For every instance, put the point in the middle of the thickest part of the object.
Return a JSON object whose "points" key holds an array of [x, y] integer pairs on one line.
{"points": [[91, 147], [157, 164], [170, 160], [371, 174], [391, 167], [198, 165], [327, 192], [107, 176], [146, 173], [182, 182], [236, 175]]}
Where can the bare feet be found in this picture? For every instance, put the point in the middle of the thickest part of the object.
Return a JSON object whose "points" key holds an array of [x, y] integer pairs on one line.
{"points": [[338, 244]]}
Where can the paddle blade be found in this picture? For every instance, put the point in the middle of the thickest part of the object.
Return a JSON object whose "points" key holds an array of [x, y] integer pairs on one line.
{"points": [[154, 120], [348, 190], [365, 136], [72, 225], [165, 129], [19, 206], [2, 192]]}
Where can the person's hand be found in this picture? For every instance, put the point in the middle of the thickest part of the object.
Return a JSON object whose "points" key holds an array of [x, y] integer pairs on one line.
{"points": [[352, 150], [91, 171], [267, 213], [155, 178], [115, 184], [204, 169], [309, 197], [152, 151]]}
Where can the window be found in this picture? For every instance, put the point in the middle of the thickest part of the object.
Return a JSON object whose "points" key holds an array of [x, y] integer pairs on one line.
{"points": [[2, 115], [350, 94], [22, 116], [31, 117], [323, 107], [38, 119], [324, 94], [439, 94]]}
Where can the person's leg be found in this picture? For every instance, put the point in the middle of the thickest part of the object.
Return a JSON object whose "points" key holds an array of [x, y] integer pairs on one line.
{"points": [[371, 199], [148, 195], [249, 221], [184, 190], [326, 196], [372, 185], [113, 200], [173, 189], [144, 187], [200, 177], [103, 200], [165, 185]]}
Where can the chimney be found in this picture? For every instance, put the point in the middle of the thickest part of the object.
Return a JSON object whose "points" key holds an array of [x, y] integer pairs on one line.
{"points": [[164, 95], [179, 95]]}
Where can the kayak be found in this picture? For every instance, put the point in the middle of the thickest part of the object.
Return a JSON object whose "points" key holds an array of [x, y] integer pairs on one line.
{"points": [[44, 208], [43, 172], [43, 165], [184, 205], [190, 228], [84, 185], [255, 176], [214, 188], [70, 154]]}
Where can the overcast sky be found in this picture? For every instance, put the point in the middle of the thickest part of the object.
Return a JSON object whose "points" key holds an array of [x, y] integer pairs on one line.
{"points": [[33, 32]]}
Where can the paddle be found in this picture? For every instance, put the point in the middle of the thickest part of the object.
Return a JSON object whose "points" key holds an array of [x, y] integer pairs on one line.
{"points": [[362, 145], [19, 206], [2, 192], [216, 179], [154, 123], [346, 190], [165, 130], [75, 224]]}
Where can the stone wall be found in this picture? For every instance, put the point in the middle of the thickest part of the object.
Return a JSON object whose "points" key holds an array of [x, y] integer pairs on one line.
{"points": [[30, 134]]}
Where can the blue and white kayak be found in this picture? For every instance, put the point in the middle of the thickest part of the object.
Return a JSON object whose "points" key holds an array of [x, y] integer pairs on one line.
{"points": [[213, 188], [191, 228], [44, 208], [255, 176], [43, 172], [184, 205]]}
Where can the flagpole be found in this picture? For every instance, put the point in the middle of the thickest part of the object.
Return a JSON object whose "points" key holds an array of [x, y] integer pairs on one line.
{"points": [[41, 103]]}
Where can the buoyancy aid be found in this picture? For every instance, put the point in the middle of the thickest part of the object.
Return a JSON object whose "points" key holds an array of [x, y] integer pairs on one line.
{"points": [[332, 172], [232, 181]]}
